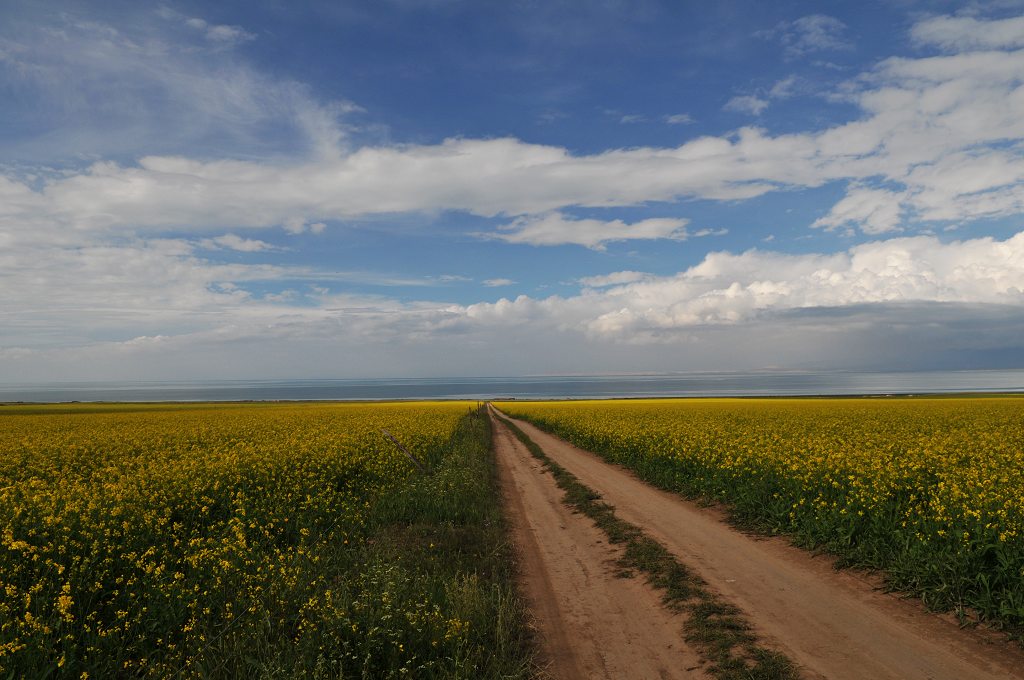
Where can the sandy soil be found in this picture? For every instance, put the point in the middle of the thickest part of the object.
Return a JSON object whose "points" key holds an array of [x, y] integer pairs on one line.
{"points": [[833, 624], [590, 622]]}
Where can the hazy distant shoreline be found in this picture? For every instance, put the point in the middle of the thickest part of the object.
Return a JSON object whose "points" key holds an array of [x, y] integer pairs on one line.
{"points": [[754, 384]]}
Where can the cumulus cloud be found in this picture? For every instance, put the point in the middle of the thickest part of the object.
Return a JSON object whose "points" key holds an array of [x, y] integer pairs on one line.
{"points": [[166, 278], [555, 229], [727, 288], [142, 309]]}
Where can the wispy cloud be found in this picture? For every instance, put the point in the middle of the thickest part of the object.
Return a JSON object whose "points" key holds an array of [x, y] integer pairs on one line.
{"points": [[874, 211], [498, 283], [809, 34], [220, 33], [746, 104], [162, 81], [961, 33], [235, 242], [679, 119], [555, 229], [614, 279], [785, 88]]}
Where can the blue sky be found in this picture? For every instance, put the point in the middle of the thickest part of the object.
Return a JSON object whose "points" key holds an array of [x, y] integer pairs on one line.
{"points": [[358, 189]]}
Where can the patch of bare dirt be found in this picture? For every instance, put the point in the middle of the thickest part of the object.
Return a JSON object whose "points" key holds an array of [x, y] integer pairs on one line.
{"points": [[590, 622]]}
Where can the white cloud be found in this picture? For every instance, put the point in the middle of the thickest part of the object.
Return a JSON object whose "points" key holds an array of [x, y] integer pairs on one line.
{"points": [[58, 296], [874, 211], [151, 84], [551, 116], [633, 118], [785, 88], [485, 177], [746, 104], [961, 33], [943, 135], [227, 35], [710, 232], [157, 310], [731, 288], [923, 123], [557, 229], [808, 34], [679, 119], [498, 283], [613, 279], [235, 242]]}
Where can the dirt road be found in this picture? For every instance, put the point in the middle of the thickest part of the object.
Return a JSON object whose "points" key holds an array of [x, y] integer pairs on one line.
{"points": [[591, 623], [833, 624]]}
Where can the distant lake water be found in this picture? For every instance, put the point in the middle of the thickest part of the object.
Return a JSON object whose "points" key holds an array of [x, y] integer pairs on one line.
{"points": [[541, 387]]}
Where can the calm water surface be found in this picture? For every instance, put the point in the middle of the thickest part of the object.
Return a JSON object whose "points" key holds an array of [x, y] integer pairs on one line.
{"points": [[543, 387]]}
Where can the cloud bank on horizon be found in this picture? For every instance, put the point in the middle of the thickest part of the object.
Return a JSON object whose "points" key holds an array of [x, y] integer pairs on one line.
{"points": [[243, 194]]}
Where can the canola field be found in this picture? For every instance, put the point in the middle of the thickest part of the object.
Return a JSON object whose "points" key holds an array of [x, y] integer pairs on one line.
{"points": [[249, 541], [931, 490]]}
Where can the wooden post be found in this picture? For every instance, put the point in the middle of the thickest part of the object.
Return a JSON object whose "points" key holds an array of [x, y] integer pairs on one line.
{"points": [[407, 452]]}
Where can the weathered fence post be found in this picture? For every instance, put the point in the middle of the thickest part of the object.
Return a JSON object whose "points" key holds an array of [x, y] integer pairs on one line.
{"points": [[407, 452]]}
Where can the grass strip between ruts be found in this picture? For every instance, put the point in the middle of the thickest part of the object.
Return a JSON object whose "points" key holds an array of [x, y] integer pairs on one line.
{"points": [[716, 628]]}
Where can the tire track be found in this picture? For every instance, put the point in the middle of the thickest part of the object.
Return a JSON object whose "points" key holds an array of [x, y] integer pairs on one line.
{"points": [[590, 622]]}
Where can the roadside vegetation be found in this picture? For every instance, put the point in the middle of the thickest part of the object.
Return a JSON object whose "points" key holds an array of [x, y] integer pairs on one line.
{"points": [[263, 541]]}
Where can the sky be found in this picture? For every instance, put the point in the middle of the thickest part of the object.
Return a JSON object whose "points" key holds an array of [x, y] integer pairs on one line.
{"points": [[402, 188]]}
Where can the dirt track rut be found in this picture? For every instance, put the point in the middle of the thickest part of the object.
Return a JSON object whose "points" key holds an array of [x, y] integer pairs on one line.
{"points": [[590, 623], [835, 625]]}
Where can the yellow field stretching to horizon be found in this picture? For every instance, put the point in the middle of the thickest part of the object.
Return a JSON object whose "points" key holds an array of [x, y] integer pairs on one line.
{"points": [[165, 539], [929, 489], [212, 540]]}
